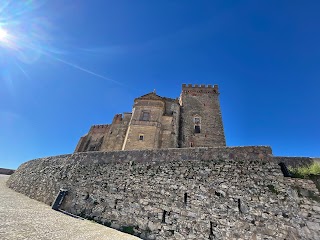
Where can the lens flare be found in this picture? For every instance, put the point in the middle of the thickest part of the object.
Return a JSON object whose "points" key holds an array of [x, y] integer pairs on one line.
{"points": [[3, 35], [26, 36]]}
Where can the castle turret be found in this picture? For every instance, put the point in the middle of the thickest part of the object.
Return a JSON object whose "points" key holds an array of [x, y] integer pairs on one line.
{"points": [[201, 121]]}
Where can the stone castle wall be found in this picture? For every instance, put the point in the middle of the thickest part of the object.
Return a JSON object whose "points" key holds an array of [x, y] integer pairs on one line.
{"points": [[113, 139], [170, 124], [199, 193], [94, 139]]}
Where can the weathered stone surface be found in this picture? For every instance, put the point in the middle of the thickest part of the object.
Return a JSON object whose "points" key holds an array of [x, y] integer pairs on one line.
{"points": [[313, 226], [22, 218], [178, 193], [316, 208]]}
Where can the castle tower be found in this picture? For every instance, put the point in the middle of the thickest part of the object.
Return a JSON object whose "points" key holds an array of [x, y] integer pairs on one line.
{"points": [[200, 121], [144, 130]]}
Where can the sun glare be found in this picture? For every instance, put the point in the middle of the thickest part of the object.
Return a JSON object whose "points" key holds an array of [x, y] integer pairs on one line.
{"points": [[3, 35]]}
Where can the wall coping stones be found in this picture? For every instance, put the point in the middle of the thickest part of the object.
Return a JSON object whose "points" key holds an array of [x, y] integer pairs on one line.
{"points": [[153, 155]]}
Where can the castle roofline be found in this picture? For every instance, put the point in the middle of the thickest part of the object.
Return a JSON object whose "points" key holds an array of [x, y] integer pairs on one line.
{"points": [[150, 96], [154, 96]]}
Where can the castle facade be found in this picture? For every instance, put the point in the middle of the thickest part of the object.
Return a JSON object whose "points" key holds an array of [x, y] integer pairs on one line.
{"points": [[193, 120]]}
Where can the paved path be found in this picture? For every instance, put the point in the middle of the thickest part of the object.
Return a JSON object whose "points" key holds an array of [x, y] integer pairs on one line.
{"points": [[24, 218]]}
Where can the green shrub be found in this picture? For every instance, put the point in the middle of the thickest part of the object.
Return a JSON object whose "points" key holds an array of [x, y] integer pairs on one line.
{"points": [[303, 172]]}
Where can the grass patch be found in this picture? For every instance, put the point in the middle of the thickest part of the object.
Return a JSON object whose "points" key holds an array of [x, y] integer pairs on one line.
{"points": [[306, 171], [309, 172]]}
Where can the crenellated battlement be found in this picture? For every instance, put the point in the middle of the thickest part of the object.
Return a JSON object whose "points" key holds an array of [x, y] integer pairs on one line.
{"points": [[99, 129], [100, 126], [200, 88]]}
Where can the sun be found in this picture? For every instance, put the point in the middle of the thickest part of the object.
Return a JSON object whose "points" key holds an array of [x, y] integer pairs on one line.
{"points": [[3, 35]]}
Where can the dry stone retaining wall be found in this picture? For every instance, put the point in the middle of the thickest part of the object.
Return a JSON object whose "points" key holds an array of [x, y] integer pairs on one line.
{"points": [[199, 193]]}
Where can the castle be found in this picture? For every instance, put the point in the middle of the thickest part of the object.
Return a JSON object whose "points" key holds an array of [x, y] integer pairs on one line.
{"points": [[183, 183], [193, 120]]}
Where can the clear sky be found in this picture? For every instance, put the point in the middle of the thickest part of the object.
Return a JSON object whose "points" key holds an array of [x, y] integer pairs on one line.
{"points": [[66, 65]]}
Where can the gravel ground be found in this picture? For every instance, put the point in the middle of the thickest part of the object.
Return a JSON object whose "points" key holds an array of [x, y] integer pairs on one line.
{"points": [[25, 218]]}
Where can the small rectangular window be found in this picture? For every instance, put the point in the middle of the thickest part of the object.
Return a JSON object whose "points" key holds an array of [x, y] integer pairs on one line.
{"points": [[145, 116], [196, 129], [141, 137]]}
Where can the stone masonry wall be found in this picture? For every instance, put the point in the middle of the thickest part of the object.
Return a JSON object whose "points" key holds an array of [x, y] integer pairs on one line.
{"points": [[170, 125], [114, 138], [150, 136], [198, 193]]}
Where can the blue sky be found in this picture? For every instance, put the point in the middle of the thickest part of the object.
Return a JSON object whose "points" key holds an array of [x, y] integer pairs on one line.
{"points": [[66, 65]]}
